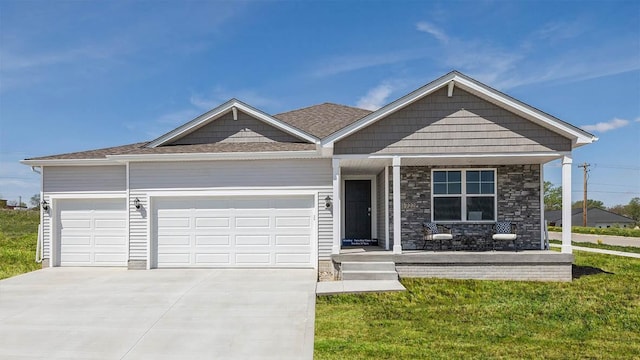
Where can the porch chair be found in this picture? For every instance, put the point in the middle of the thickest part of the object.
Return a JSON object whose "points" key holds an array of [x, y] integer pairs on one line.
{"points": [[504, 231], [434, 232]]}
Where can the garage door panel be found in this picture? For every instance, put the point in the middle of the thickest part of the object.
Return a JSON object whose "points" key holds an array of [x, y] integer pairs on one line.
{"points": [[213, 259], [213, 240], [81, 224], [116, 242], [243, 222], [174, 240], [70, 258], [213, 222], [256, 259], [252, 240], [293, 222], [297, 259], [174, 222], [110, 224], [234, 231], [300, 240], [109, 258]]}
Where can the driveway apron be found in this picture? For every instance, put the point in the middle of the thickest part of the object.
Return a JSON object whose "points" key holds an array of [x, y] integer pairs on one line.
{"points": [[109, 313]]}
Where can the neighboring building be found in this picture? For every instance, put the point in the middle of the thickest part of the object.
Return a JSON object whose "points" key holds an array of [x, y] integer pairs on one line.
{"points": [[3, 204], [596, 217], [237, 187]]}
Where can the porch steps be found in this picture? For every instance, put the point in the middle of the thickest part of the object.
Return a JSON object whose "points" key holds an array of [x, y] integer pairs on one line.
{"points": [[365, 270]]}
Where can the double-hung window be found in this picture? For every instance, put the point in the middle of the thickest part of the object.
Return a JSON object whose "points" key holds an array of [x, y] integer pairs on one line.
{"points": [[463, 195]]}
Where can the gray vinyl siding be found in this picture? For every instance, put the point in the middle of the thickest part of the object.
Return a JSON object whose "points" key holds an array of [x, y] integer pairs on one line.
{"points": [[325, 226], [227, 130], [314, 174], [380, 208], [463, 123], [85, 178], [250, 173]]}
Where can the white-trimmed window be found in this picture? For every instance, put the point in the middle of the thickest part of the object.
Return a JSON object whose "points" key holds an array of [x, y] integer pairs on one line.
{"points": [[463, 195]]}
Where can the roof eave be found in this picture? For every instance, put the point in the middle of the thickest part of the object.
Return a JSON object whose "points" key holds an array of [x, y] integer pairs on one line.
{"points": [[300, 154], [69, 162]]}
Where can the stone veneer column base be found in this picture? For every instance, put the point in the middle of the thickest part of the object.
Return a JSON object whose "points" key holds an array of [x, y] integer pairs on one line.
{"points": [[137, 265], [45, 263], [327, 270]]}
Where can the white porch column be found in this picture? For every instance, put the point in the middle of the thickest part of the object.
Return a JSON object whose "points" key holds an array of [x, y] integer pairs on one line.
{"points": [[397, 215], [337, 206], [567, 162]]}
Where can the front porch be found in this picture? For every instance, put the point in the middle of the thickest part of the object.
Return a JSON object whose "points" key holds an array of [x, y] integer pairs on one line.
{"points": [[527, 265]]}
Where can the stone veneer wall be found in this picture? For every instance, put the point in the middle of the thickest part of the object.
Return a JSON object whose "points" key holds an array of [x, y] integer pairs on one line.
{"points": [[518, 201]]}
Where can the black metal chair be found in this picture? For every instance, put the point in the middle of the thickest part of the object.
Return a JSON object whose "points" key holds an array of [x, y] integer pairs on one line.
{"points": [[434, 232]]}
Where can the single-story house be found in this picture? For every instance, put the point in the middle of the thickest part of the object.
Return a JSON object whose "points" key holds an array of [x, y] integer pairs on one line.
{"points": [[238, 187], [598, 218]]}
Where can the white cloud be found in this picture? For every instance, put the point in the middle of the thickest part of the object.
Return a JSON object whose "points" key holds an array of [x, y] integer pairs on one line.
{"points": [[346, 63], [433, 30], [606, 126], [376, 97]]}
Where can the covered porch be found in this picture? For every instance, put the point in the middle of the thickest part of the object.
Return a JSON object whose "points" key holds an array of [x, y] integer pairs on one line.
{"points": [[515, 193], [393, 224]]}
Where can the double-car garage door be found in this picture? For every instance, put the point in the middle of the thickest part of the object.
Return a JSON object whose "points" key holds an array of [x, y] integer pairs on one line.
{"points": [[265, 231]]}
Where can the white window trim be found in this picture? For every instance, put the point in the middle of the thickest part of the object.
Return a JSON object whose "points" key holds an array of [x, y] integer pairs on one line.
{"points": [[464, 195]]}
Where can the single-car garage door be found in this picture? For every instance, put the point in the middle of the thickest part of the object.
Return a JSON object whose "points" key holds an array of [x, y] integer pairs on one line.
{"points": [[92, 232], [234, 231]]}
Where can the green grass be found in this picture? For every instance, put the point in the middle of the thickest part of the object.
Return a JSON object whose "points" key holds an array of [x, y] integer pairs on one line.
{"points": [[18, 238], [631, 249], [598, 231], [596, 316]]}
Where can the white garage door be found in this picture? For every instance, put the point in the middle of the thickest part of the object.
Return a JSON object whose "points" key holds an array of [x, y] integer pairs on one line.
{"points": [[92, 232], [234, 232]]}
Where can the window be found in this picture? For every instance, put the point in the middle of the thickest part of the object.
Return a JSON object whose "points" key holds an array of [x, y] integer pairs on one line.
{"points": [[463, 195]]}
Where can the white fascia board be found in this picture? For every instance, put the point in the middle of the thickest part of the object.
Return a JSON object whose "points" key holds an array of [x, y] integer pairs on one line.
{"points": [[222, 110], [545, 120], [71, 162], [218, 156]]}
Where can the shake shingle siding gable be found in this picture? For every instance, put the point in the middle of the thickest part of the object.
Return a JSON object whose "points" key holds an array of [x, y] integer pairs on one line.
{"points": [[245, 129], [463, 123]]}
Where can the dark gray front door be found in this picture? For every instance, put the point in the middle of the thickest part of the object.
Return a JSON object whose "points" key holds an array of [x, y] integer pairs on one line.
{"points": [[357, 209]]}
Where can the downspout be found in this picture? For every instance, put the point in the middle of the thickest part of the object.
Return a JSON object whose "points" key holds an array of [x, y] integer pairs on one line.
{"points": [[40, 243]]}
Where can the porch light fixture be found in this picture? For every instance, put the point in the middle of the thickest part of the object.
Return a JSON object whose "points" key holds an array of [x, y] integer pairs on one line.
{"points": [[327, 202], [136, 203], [45, 205]]}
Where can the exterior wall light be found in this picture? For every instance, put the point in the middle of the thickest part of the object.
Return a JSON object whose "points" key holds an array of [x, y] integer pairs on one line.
{"points": [[327, 202], [136, 203], [45, 205]]}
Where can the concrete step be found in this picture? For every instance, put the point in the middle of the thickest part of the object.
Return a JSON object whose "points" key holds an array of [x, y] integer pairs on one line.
{"points": [[368, 266], [369, 275]]}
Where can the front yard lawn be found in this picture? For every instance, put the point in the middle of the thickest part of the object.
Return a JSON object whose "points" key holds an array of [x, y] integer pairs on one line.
{"points": [[597, 316], [18, 238]]}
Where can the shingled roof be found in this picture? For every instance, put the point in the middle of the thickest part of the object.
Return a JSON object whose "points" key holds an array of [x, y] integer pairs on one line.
{"points": [[318, 120], [323, 119]]}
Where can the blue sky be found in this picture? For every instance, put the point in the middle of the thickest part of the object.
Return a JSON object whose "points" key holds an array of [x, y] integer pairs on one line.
{"points": [[78, 75]]}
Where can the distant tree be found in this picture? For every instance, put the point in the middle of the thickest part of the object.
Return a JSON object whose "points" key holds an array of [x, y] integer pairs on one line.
{"points": [[590, 204], [619, 209], [35, 201], [633, 209], [552, 196]]}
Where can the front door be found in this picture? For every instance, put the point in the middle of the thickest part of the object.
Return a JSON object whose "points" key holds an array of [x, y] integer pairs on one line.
{"points": [[357, 209]]}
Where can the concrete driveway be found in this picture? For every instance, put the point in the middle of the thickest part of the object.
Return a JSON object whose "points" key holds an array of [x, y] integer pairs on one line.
{"points": [[109, 313]]}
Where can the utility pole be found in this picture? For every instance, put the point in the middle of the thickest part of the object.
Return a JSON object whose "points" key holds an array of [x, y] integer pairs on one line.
{"points": [[585, 168]]}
